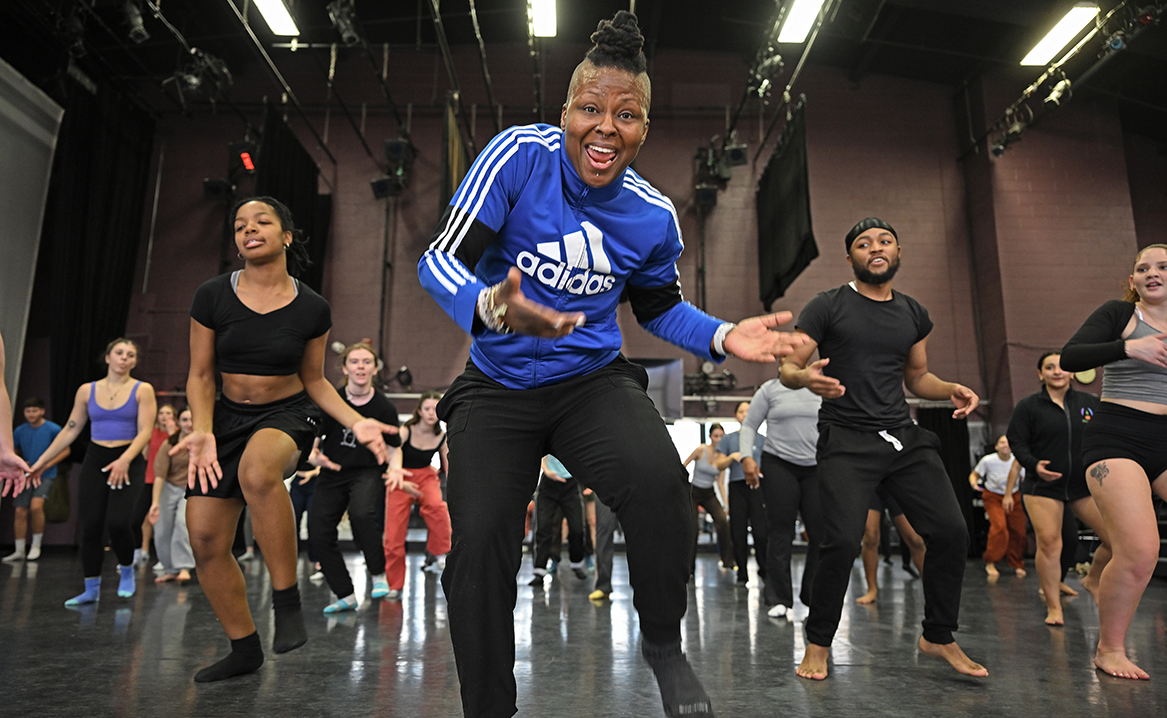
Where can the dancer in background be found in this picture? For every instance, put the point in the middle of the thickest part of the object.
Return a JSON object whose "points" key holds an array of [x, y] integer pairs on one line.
{"points": [[168, 507], [31, 439], [122, 411], [1124, 445], [1006, 528], [1045, 433], [747, 510], [558, 499], [267, 334], [351, 481], [706, 476], [165, 426], [421, 438], [882, 501]]}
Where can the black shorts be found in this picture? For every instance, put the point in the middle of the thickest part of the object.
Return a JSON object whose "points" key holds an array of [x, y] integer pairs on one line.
{"points": [[1048, 489], [1120, 432], [881, 500], [235, 424]]}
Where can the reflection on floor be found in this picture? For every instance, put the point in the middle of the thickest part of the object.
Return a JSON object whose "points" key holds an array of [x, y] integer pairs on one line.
{"points": [[135, 657]]}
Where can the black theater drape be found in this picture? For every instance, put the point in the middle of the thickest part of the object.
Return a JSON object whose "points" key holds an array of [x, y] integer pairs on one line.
{"points": [[92, 228], [786, 243], [287, 172], [954, 451]]}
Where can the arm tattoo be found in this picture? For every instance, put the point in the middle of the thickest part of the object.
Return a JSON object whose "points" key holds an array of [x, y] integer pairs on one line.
{"points": [[1100, 472], [72, 424]]}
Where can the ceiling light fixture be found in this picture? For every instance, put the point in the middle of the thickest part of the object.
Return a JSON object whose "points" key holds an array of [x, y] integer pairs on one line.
{"points": [[1066, 30], [344, 18], [278, 19], [543, 17], [800, 19], [133, 12]]}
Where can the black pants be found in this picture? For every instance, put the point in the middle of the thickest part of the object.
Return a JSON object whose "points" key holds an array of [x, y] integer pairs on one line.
{"points": [[851, 464], [301, 504], [606, 525], [789, 489], [141, 509], [552, 498], [606, 430], [707, 499], [359, 492], [747, 512], [103, 509]]}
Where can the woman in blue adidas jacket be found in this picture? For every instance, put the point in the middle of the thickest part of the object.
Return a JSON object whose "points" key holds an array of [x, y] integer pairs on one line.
{"points": [[546, 231]]}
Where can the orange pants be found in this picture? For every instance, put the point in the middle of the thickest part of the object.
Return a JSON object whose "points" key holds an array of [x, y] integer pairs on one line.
{"points": [[437, 520], [1006, 530]]}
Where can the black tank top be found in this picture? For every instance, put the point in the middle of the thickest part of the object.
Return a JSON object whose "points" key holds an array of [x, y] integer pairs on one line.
{"points": [[415, 458]]}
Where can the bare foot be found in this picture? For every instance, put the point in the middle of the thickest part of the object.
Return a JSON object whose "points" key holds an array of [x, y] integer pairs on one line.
{"points": [[1091, 585], [1019, 572], [1118, 665], [183, 576], [1054, 617], [868, 597], [814, 662], [955, 657], [1066, 590], [991, 569], [165, 578]]}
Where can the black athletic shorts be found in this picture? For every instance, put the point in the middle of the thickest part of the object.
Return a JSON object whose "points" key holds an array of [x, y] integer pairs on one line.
{"points": [[881, 500], [1120, 432], [235, 424]]}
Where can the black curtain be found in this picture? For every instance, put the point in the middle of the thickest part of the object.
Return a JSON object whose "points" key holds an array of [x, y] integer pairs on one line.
{"points": [[786, 243], [954, 447], [91, 232], [285, 171]]}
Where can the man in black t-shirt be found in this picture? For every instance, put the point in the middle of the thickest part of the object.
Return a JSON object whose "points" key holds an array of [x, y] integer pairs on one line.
{"points": [[871, 343]]}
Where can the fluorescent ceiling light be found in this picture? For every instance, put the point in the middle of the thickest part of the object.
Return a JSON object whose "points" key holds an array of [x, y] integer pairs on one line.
{"points": [[279, 20], [543, 18], [799, 20], [1075, 20]]}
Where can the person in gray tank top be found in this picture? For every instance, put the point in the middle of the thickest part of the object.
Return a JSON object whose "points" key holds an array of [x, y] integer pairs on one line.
{"points": [[705, 474], [1123, 447]]}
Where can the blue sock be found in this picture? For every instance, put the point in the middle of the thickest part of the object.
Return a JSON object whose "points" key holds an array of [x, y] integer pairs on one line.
{"points": [[126, 586], [91, 593]]}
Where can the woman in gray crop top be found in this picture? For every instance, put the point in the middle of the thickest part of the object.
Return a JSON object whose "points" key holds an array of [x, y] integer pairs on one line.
{"points": [[120, 411], [705, 474], [1125, 446]]}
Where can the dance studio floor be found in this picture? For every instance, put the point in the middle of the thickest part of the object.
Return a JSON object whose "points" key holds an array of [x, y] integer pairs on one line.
{"points": [[135, 657]]}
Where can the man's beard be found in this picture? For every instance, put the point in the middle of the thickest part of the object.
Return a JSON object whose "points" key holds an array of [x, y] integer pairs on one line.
{"points": [[865, 275]]}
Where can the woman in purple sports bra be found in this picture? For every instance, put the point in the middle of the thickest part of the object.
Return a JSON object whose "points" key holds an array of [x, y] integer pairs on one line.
{"points": [[121, 412]]}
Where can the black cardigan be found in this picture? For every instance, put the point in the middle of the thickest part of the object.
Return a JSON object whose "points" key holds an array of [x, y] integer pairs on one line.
{"points": [[1099, 341]]}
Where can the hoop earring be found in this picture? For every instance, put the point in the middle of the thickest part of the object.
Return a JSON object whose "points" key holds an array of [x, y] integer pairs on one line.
{"points": [[240, 254]]}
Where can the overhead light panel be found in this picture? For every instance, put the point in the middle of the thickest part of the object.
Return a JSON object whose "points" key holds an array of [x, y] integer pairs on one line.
{"points": [[1075, 20], [543, 18], [278, 19], [799, 20]]}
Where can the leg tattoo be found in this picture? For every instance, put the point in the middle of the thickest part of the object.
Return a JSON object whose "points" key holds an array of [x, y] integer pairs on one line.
{"points": [[1100, 472]]}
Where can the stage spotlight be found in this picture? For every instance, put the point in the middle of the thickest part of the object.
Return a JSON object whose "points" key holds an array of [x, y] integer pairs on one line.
{"points": [[405, 378], [1059, 91], [344, 19], [133, 13]]}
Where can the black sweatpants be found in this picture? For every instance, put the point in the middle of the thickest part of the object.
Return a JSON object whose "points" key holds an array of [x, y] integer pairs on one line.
{"points": [[359, 492], [789, 489], [103, 509], [747, 512], [605, 430], [850, 465], [553, 499]]}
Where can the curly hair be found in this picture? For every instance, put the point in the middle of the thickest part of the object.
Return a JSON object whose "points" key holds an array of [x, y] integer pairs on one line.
{"points": [[298, 259]]}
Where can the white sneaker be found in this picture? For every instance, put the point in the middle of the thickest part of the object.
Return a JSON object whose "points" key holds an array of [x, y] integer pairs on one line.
{"points": [[14, 557], [34, 553], [777, 611]]}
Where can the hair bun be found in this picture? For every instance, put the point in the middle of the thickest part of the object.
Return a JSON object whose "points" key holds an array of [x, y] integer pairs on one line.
{"points": [[618, 43]]}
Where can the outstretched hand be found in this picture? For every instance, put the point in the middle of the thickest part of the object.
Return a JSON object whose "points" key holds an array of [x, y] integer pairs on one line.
{"points": [[12, 473], [203, 467], [369, 433], [753, 340], [524, 316], [395, 479], [825, 386], [965, 400]]}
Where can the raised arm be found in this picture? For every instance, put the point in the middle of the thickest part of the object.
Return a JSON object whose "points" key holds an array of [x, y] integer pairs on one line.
{"points": [[927, 385], [69, 433]]}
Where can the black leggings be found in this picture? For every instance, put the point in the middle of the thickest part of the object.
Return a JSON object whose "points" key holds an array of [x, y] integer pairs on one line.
{"points": [[104, 509], [141, 509], [552, 498], [359, 492], [789, 489], [747, 512]]}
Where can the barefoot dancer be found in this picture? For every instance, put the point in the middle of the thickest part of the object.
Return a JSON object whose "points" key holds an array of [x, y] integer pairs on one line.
{"points": [[1045, 432], [1124, 445], [266, 333], [557, 210], [1006, 527], [872, 342]]}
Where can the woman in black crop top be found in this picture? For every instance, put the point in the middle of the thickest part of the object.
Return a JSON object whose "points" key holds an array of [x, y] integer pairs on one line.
{"points": [[121, 413], [1124, 447], [266, 333], [421, 438]]}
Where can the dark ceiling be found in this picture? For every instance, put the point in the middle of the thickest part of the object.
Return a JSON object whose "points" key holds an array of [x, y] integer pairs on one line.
{"points": [[941, 41]]}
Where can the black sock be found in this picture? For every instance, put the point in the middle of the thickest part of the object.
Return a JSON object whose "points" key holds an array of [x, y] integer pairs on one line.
{"points": [[290, 632], [680, 690], [246, 656]]}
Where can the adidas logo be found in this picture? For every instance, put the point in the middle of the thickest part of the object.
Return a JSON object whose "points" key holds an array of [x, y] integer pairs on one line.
{"points": [[577, 263]]}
